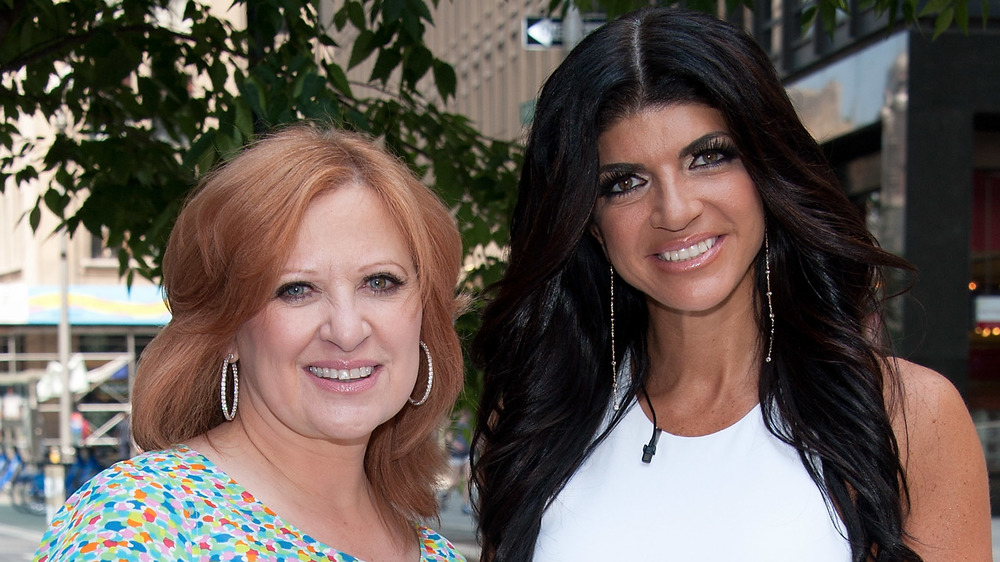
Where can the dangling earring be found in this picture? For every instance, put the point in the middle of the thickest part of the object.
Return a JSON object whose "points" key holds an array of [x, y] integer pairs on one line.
{"points": [[226, 363], [614, 360], [430, 376], [770, 308]]}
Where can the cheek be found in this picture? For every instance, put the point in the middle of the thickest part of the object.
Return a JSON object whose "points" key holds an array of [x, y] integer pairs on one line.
{"points": [[270, 331], [400, 323], [616, 229]]}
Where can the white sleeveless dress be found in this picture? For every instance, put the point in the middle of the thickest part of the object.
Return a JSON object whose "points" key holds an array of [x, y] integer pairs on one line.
{"points": [[736, 495]]}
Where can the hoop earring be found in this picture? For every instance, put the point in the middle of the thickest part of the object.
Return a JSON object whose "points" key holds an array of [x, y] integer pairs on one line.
{"points": [[226, 363], [430, 376], [614, 361], [770, 308]]}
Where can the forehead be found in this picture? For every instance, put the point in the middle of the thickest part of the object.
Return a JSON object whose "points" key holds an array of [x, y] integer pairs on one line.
{"points": [[659, 128], [348, 222]]}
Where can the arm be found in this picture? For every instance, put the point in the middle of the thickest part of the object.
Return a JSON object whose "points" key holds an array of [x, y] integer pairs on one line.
{"points": [[949, 515]]}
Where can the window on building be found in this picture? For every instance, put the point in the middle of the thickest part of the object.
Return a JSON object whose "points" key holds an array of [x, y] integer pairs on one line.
{"points": [[984, 289], [99, 249]]}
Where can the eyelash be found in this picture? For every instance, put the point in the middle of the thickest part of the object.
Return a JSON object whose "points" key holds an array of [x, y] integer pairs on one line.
{"points": [[394, 283], [282, 292], [716, 145], [610, 180]]}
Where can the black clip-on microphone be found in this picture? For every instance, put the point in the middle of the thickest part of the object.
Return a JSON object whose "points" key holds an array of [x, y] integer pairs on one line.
{"points": [[649, 449]]}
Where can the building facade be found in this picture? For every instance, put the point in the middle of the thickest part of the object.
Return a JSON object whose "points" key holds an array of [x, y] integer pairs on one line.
{"points": [[911, 124], [109, 321]]}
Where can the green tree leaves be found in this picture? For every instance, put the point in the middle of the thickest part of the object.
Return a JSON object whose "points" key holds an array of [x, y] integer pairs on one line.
{"points": [[152, 98]]}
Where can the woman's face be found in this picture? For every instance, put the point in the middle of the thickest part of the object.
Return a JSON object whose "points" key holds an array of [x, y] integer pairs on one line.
{"points": [[334, 353], [679, 217]]}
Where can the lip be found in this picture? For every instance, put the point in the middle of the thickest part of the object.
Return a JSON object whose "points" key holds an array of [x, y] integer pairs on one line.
{"points": [[342, 374], [680, 245], [362, 375]]}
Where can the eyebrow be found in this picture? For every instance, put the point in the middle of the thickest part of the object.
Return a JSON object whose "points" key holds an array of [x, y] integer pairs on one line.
{"points": [[693, 147], [310, 270], [700, 143], [619, 168]]}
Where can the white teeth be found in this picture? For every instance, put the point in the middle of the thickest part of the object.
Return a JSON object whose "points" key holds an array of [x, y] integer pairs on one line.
{"points": [[342, 374], [690, 252]]}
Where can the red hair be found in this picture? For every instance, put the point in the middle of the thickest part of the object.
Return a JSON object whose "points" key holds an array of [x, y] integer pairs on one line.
{"points": [[220, 266]]}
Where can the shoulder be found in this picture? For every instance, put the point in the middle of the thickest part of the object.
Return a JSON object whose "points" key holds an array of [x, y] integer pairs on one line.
{"points": [[140, 504], [942, 459], [927, 410], [435, 548]]}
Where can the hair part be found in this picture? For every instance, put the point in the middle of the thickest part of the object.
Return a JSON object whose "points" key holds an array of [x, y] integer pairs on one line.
{"points": [[544, 345], [221, 265]]}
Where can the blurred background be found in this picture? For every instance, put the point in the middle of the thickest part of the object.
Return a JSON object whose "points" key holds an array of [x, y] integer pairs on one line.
{"points": [[112, 110]]}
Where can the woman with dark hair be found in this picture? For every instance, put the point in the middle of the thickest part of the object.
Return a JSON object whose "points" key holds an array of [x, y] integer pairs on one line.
{"points": [[685, 359], [291, 406]]}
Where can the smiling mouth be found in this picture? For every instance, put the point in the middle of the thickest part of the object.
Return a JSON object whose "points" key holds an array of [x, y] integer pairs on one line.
{"points": [[342, 374], [691, 252]]}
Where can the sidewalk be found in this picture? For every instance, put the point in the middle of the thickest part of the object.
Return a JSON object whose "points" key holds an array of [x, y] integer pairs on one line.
{"points": [[20, 532], [458, 527]]}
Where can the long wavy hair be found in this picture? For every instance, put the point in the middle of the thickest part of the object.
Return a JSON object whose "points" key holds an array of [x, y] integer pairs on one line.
{"points": [[222, 263], [545, 343]]}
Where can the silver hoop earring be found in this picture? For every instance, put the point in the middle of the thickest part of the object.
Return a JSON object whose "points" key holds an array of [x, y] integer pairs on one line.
{"points": [[430, 376], [614, 361], [770, 308], [226, 363]]}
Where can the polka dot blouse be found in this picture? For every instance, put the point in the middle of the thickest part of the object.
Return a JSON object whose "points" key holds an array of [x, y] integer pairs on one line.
{"points": [[176, 505]]}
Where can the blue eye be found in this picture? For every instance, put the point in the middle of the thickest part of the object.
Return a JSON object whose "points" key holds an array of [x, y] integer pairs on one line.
{"points": [[293, 291]]}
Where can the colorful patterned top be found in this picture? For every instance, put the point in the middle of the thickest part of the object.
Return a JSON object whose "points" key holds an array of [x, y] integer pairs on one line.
{"points": [[176, 505]]}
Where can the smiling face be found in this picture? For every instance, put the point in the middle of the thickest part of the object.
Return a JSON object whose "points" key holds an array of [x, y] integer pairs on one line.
{"points": [[679, 216], [334, 353]]}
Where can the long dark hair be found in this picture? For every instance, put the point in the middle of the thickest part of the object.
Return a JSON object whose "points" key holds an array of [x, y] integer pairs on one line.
{"points": [[545, 343]]}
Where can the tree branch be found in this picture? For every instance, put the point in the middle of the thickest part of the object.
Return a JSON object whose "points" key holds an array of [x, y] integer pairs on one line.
{"points": [[64, 42]]}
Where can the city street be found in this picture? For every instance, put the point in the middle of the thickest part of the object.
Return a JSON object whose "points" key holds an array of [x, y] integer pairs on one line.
{"points": [[19, 532]]}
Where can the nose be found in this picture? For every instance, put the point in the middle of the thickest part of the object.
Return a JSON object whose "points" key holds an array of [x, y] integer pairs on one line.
{"points": [[344, 323], [675, 203]]}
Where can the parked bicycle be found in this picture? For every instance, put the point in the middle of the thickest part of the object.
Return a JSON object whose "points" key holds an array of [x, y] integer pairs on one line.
{"points": [[28, 490], [13, 463]]}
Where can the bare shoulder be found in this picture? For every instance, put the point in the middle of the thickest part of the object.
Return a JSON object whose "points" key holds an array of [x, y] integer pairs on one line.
{"points": [[923, 386], [949, 515]]}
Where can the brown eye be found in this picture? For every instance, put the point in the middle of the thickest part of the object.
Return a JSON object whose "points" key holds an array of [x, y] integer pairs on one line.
{"points": [[709, 158], [717, 151], [626, 184], [619, 184]]}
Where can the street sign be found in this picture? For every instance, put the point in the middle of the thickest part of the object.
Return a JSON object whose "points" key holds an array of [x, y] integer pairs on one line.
{"points": [[547, 33]]}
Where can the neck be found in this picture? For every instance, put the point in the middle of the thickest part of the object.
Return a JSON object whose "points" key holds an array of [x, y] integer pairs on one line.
{"points": [[703, 367], [314, 485], [281, 468]]}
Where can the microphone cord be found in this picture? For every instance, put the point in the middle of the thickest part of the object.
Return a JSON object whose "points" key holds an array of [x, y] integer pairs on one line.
{"points": [[649, 449]]}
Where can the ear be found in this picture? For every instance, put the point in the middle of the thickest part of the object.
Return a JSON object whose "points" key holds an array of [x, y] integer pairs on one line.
{"points": [[596, 233]]}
